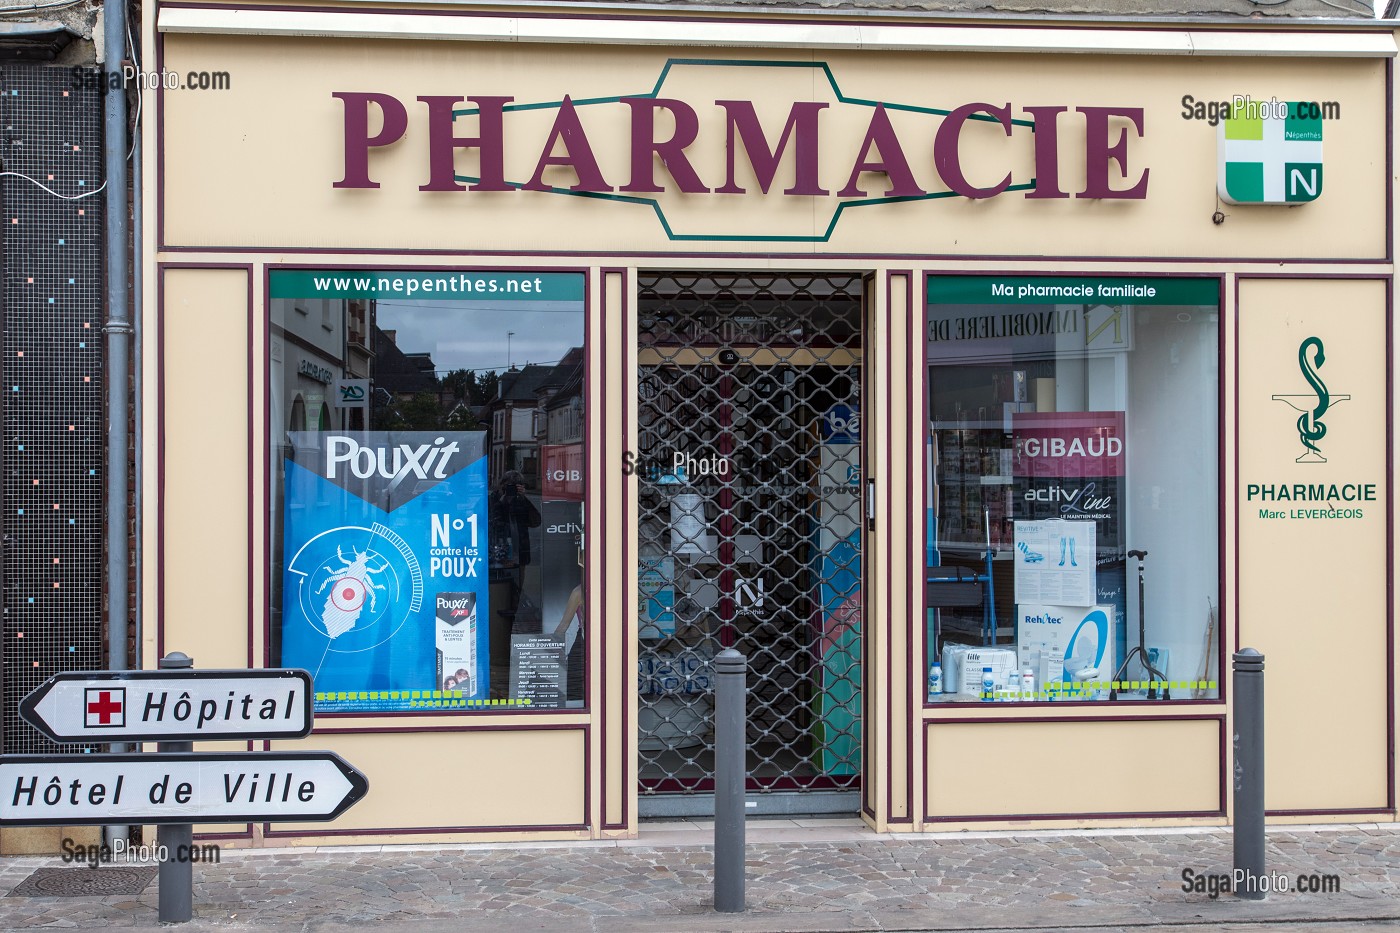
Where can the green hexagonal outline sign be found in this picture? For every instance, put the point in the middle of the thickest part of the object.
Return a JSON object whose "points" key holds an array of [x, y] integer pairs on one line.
{"points": [[749, 238]]}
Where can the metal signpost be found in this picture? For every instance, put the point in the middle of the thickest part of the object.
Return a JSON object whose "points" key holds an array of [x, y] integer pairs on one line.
{"points": [[175, 787]]}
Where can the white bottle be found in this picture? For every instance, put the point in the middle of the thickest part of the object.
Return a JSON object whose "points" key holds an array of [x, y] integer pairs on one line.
{"points": [[1013, 685], [1028, 684], [989, 685], [935, 680]]}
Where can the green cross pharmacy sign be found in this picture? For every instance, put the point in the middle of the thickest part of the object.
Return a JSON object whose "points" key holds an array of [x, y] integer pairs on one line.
{"points": [[1270, 152]]}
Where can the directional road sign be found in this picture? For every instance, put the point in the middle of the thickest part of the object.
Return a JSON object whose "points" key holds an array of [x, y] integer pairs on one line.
{"points": [[171, 705], [176, 787]]}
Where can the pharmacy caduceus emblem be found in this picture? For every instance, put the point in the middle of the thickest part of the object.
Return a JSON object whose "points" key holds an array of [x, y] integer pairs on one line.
{"points": [[1314, 405]]}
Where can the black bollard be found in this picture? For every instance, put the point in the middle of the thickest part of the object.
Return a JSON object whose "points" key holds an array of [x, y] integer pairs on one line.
{"points": [[730, 780], [1249, 879]]}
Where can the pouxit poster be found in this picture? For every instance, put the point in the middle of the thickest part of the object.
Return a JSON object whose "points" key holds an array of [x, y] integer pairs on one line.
{"points": [[384, 533]]}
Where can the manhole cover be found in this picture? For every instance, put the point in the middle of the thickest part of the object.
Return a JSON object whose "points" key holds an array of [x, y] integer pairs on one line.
{"points": [[78, 882]]}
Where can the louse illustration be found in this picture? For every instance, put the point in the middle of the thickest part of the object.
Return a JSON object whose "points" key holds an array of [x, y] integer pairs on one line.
{"points": [[349, 587]]}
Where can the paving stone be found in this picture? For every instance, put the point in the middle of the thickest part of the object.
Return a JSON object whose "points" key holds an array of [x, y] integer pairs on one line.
{"points": [[581, 885]]}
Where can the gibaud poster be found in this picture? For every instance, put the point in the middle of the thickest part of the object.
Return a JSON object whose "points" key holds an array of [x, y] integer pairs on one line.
{"points": [[1070, 466], [385, 595]]}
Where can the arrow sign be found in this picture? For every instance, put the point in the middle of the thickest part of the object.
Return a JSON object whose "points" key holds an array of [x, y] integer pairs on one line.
{"points": [[114, 706], [176, 787]]}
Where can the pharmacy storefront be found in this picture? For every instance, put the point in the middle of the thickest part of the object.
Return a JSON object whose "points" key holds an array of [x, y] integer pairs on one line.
{"points": [[986, 399]]}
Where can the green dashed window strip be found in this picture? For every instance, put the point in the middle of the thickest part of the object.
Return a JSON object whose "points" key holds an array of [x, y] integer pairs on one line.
{"points": [[421, 698], [1057, 691]]}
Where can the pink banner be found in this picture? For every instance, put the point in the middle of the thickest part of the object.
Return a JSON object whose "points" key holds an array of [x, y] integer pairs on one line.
{"points": [[1069, 444], [562, 477]]}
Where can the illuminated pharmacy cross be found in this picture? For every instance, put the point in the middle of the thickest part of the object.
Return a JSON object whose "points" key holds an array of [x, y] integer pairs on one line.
{"points": [[1270, 155]]}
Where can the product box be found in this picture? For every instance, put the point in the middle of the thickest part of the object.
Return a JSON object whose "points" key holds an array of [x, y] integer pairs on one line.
{"points": [[1057, 641], [456, 638], [962, 667], [1055, 562]]}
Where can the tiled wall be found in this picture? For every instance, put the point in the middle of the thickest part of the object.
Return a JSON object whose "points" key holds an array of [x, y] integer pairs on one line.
{"points": [[54, 432]]}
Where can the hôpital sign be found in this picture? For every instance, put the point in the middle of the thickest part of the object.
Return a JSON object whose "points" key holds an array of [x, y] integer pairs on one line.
{"points": [[171, 705], [174, 787]]}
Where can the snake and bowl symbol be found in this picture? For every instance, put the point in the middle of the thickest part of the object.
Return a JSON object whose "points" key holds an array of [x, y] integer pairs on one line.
{"points": [[1312, 406]]}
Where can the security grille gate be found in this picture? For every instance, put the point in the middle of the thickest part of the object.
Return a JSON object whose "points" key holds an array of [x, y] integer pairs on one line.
{"points": [[749, 533]]}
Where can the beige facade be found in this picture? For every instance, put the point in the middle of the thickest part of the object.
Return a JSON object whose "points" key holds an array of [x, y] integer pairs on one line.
{"points": [[243, 181]]}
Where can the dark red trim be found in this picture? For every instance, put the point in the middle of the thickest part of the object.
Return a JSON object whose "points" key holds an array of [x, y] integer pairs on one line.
{"points": [[1054, 261], [910, 653], [160, 145], [161, 268], [1389, 514], [1221, 469], [1234, 496], [1105, 815], [1342, 812], [867, 663], [252, 472], [623, 741], [246, 834], [581, 723], [604, 310], [269, 833], [268, 661], [585, 826], [1224, 494], [917, 661], [267, 475], [456, 727], [1389, 78], [160, 464], [886, 552], [886, 536]]}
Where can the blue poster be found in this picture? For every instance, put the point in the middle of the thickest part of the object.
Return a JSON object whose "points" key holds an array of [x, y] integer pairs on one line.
{"points": [[836, 703], [385, 595]]}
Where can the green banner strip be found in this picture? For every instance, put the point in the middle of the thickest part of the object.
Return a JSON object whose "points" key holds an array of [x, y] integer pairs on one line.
{"points": [[427, 286], [1070, 289]]}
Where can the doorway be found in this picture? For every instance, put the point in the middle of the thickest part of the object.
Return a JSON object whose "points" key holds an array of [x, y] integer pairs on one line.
{"points": [[750, 533]]}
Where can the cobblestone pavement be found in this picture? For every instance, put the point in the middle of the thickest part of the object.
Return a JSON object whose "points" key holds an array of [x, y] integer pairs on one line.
{"points": [[865, 881]]}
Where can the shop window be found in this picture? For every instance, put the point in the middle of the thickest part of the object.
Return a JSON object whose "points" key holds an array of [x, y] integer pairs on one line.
{"points": [[417, 564], [1073, 530]]}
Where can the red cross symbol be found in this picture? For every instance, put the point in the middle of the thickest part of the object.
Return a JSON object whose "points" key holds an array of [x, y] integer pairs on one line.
{"points": [[101, 710]]}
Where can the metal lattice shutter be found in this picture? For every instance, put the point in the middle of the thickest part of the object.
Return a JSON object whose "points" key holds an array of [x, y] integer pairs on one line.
{"points": [[54, 438], [749, 530]]}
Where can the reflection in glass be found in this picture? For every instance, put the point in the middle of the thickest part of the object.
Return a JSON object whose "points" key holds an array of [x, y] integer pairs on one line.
{"points": [[426, 503]]}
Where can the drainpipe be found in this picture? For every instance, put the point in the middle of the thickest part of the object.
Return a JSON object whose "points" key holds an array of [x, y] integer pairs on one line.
{"points": [[118, 333], [136, 377]]}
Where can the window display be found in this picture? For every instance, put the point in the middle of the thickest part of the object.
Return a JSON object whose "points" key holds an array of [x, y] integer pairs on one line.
{"points": [[427, 491], [1073, 430]]}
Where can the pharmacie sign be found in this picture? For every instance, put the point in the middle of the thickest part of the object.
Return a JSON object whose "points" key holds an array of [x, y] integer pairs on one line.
{"points": [[643, 147]]}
